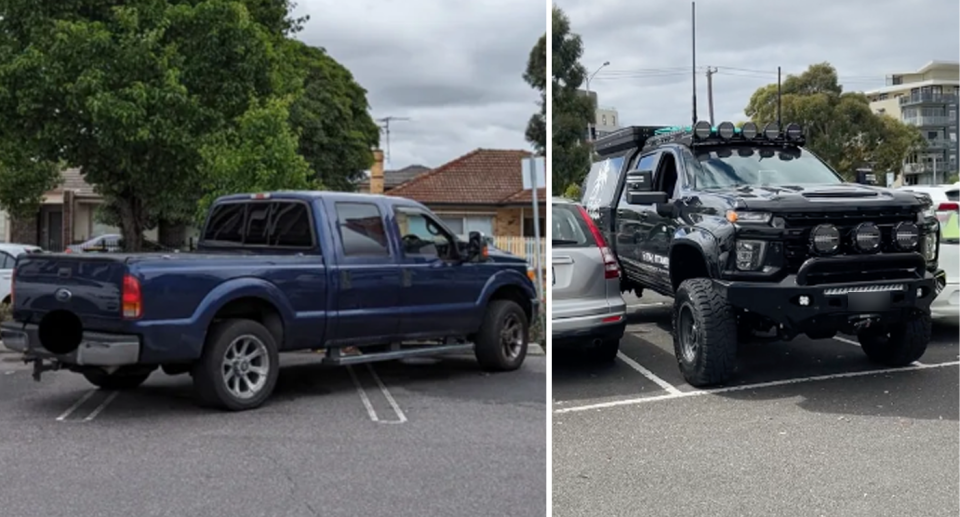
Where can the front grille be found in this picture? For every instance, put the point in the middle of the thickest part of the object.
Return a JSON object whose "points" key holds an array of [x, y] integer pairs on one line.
{"points": [[798, 226]]}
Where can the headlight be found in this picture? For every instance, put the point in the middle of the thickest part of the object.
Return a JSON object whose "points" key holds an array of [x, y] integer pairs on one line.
{"points": [[930, 247], [866, 237], [749, 217], [825, 239], [906, 236], [750, 255]]}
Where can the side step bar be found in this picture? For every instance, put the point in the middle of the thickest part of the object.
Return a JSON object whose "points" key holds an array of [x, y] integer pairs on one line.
{"points": [[334, 357]]}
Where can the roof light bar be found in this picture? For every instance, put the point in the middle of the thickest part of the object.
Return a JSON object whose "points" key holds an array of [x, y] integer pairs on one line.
{"points": [[702, 133], [702, 130], [793, 131], [726, 130], [771, 131], [749, 130]]}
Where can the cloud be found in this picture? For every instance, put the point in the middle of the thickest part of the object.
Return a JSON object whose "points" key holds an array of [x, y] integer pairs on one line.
{"points": [[648, 46], [453, 68]]}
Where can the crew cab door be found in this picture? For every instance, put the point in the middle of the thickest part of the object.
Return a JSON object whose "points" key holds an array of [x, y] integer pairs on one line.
{"points": [[634, 224], [654, 247], [367, 275], [436, 298]]}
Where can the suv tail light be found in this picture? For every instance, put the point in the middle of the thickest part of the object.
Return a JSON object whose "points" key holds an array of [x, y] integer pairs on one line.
{"points": [[132, 300], [13, 284], [943, 211], [610, 267]]}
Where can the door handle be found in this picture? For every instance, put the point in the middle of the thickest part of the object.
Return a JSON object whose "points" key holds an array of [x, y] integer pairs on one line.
{"points": [[345, 279], [407, 278]]}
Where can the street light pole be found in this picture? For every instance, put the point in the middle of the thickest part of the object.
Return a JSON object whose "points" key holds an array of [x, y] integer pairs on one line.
{"points": [[589, 77]]}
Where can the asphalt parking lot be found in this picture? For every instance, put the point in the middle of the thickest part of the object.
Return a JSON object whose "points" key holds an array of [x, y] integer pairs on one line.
{"points": [[432, 437], [807, 428]]}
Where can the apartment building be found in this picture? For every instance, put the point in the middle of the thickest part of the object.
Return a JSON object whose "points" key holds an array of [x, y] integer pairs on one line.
{"points": [[607, 119], [927, 99]]}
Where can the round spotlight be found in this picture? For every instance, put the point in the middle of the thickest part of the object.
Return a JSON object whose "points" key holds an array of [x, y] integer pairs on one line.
{"points": [[702, 129], [825, 239], [906, 235], [793, 131], [771, 131], [866, 237], [749, 130], [726, 130]]}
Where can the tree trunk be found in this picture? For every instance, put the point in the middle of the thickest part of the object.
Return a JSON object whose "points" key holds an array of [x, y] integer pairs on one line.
{"points": [[172, 235], [131, 224]]}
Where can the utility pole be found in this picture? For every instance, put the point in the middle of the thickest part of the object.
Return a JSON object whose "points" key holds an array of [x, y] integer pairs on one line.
{"points": [[710, 72], [386, 131], [589, 77]]}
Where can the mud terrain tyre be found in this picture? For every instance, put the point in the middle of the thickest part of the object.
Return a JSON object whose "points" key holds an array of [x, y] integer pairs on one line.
{"points": [[704, 333], [899, 344], [117, 381], [239, 366], [501, 343]]}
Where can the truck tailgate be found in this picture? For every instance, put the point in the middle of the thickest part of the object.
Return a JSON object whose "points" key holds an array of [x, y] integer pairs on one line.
{"points": [[86, 285]]}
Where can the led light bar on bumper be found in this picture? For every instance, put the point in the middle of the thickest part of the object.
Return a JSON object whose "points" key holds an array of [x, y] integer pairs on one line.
{"points": [[825, 239]]}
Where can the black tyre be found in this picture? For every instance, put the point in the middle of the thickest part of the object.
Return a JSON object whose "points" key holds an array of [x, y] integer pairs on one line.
{"points": [[116, 381], [501, 343], [606, 351], [704, 333], [900, 344], [239, 366]]}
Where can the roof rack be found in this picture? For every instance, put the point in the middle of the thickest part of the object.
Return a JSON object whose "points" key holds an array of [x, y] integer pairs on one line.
{"points": [[632, 137], [702, 133]]}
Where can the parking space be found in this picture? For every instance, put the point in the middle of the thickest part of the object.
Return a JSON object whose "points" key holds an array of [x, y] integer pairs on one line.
{"points": [[387, 439], [805, 428]]}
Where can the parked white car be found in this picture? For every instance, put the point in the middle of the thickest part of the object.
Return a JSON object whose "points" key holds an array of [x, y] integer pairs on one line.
{"points": [[946, 307], [8, 257]]}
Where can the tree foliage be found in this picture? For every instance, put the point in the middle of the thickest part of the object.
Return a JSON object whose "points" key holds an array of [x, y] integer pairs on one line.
{"points": [[536, 76], [331, 115], [156, 100], [572, 110], [839, 126]]}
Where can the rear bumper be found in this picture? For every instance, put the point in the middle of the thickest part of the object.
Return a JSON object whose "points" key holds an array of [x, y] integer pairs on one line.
{"points": [[947, 303], [96, 348], [579, 330]]}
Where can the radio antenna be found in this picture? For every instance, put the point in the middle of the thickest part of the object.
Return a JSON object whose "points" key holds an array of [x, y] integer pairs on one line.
{"points": [[693, 34], [779, 103]]}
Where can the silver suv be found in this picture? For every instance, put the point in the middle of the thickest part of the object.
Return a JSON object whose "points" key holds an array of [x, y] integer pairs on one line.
{"points": [[587, 311]]}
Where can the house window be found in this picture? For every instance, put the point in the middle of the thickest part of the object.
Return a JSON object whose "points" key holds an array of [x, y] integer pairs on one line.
{"points": [[613, 120], [528, 227], [603, 120], [464, 224], [882, 97]]}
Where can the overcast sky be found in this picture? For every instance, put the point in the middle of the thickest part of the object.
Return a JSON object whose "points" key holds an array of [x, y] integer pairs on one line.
{"points": [[648, 45], [453, 68]]}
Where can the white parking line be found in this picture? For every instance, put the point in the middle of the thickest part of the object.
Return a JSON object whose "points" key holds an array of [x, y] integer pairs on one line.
{"points": [[684, 394], [75, 405], [103, 405], [670, 388], [371, 412]]}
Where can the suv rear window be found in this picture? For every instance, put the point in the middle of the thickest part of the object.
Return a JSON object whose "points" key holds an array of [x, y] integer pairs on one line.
{"points": [[569, 229]]}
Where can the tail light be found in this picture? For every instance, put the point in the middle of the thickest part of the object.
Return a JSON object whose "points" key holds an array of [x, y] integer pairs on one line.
{"points": [[132, 300], [610, 267], [68, 250], [13, 285], [944, 210]]}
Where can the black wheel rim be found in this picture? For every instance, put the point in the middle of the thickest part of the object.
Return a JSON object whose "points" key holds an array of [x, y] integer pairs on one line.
{"points": [[688, 332], [511, 336]]}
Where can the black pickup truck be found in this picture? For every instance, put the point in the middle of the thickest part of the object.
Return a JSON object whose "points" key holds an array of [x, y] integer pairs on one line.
{"points": [[750, 232]]}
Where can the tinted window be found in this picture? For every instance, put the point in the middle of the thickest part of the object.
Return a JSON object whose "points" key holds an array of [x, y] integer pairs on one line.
{"points": [[647, 163], [953, 195], [226, 223], [258, 223], [569, 229], [6, 261], [291, 226], [743, 165], [361, 229]]}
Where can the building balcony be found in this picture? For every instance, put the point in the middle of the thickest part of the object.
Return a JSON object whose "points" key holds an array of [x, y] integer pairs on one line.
{"points": [[928, 98], [932, 121], [941, 143]]}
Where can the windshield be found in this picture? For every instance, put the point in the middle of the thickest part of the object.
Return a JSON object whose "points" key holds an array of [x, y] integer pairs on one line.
{"points": [[760, 166]]}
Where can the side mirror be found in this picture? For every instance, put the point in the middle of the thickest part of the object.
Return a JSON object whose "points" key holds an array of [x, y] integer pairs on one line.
{"points": [[640, 189], [476, 246]]}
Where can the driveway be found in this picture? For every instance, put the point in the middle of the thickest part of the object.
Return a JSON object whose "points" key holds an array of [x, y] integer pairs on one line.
{"points": [[807, 428], [416, 438]]}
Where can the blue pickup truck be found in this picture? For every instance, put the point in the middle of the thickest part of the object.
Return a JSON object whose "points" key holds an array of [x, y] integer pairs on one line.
{"points": [[274, 273]]}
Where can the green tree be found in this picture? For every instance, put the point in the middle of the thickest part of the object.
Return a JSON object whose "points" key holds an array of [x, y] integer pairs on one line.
{"points": [[260, 154], [331, 116], [129, 93], [839, 126], [536, 76], [572, 110]]}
